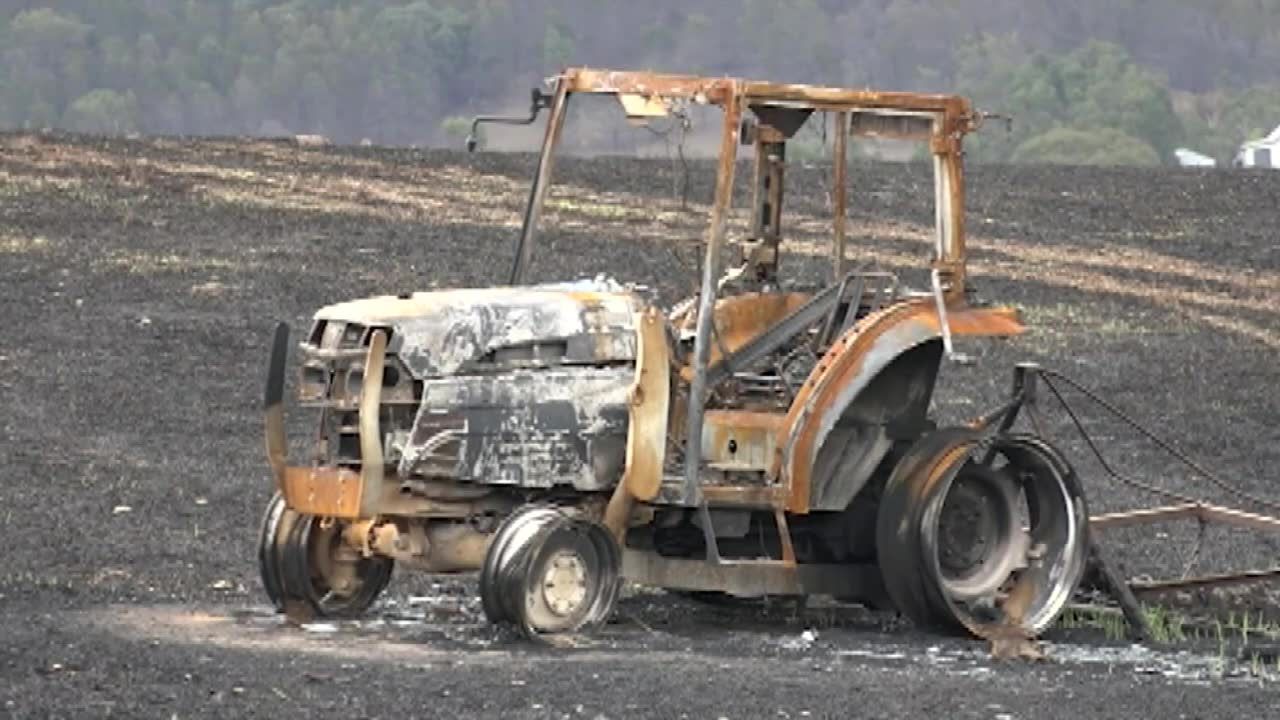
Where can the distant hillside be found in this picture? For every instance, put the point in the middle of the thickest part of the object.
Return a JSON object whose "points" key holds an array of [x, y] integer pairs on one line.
{"points": [[402, 72]]}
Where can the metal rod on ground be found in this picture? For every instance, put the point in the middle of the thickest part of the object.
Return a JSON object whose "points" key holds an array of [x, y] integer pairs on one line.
{"points": [[1119, 589]]}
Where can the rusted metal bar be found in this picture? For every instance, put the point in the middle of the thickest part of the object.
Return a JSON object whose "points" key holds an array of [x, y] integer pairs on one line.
{"points": [[823, 97], [753, 578], [372, 466], [745, 496], [716, 91], [324, 491], [538, 192], [955, 250], [770, 340], [711, 270], [1202, 581], [839, 171], [722, 91], [1203, 513], [1200, 511]]}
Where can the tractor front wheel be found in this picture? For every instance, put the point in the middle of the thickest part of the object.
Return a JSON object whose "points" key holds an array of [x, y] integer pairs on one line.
{"points": [[305, 565], [549, 573]]}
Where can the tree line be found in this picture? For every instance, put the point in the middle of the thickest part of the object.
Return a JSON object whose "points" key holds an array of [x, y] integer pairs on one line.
{"points": [[1091, 80]]}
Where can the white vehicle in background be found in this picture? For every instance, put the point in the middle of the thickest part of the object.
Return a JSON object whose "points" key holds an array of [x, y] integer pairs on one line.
{"points": [[1264, 153], [1191, 158]]}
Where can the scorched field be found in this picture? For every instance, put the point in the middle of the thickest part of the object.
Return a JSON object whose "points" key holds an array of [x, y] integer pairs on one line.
{"points": [[140, 281]]}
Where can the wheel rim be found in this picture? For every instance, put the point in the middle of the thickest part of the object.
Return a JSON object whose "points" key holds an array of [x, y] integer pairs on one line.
{"points": [[549, 573], [268, 567], [564, 584], [563, 581], [297, 558], [980, 535], [333, 586], [516, 530], [1036, 564], [976, 542]]}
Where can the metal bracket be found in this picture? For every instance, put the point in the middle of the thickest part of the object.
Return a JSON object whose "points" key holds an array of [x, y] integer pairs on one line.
{"points": [[940, 301], [538, 102]]}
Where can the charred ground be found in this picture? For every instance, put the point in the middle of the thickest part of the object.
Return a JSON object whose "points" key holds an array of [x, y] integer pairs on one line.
{"points": [[140, 282]]}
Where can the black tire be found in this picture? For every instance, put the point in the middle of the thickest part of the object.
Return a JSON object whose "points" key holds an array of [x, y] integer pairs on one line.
{"points": [[268, 566], [289, 575], [899, 546]]}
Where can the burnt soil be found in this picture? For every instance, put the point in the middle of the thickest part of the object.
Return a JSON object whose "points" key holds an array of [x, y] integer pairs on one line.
{"points": [[140, 281]]}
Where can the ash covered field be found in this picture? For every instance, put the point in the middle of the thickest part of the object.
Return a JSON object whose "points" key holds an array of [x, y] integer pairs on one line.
{"points": [[140, 281]]}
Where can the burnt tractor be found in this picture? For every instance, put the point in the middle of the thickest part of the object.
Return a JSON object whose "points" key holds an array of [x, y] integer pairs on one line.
{"points": [[760, 439]]}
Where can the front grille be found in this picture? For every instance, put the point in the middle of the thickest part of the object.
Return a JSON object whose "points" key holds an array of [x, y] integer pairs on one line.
{"points": [[338, 335]]}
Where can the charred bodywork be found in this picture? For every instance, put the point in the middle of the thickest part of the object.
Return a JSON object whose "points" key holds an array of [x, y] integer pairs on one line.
{"points": [[761, 438]]}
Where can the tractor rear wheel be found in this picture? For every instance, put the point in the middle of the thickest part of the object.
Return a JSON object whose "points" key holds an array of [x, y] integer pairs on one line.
{"points": [[304, 563], [977, 532]]}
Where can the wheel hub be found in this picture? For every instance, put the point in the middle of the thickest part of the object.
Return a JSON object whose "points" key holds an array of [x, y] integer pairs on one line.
{"points": [[966, 528], [981, 541], [303, 559], [564, 585]]}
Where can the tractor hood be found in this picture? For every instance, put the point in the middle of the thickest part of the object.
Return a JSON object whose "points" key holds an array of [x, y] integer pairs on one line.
{"points": [[451, 332]]}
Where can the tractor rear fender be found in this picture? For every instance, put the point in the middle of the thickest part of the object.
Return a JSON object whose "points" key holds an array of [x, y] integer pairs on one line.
{"points": [[874, 379]]}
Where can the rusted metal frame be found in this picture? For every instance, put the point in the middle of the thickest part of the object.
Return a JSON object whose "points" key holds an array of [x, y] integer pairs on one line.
{"points": [[716, 91], [855, 303], [325, 491], [794, 440], [844, 369], [647, 427], [711, 270], [771, 147], [947, 275], [770, 340], [1203, 512], [541, 181], [1204, 581], [953, 165], [824, 98], [753, 578], [1022, 397], [706, 318], [723, 91], [839, 173], [759, 497], [372, 466], [829, 325], [784, 536]]}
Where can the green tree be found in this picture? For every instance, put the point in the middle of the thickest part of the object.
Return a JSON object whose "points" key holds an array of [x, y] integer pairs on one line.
{"points": [[1099, 146], [1096, 86], [47, 59], [103, 111]]}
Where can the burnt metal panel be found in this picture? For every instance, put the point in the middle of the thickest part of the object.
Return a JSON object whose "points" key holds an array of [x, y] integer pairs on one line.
{"points": [[454, 331], [529, 428], [851, 365]]}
